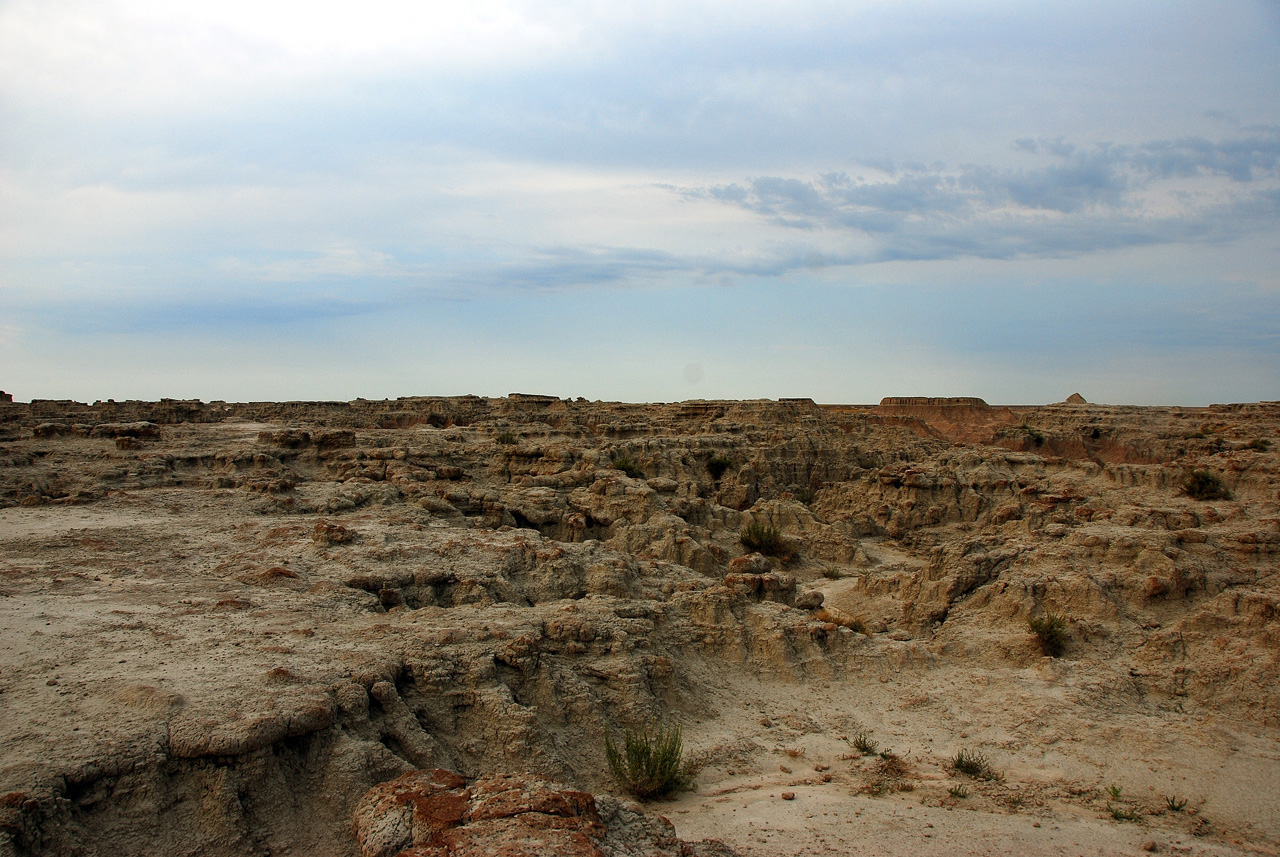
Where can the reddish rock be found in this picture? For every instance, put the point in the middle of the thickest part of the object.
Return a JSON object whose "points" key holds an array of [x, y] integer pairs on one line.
{"points": [[440, 814]]}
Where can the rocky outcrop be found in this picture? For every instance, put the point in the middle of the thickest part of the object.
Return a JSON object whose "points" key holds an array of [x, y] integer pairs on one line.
{"points": [[293, 602], [438, 813]]}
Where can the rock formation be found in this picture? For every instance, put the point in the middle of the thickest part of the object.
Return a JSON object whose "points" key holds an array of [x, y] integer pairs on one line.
{"points": [[225, 624]]}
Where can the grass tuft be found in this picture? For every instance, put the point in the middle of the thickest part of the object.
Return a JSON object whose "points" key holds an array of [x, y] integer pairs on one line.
{"points": [[505, 438], [1175, 803], [765, 539], [865, 744], [1051, 632], [973, 763], [959, 792], [649, 764]]}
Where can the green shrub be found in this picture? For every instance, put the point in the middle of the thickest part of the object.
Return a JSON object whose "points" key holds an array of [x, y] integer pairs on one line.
{"points": [[765, 539], [974, 764], [1051, 632], [717, 465], [959, 792], [627, 466], [506, 438], [1175, 803], [1035, 435], [1205, 485], [649, 764]]}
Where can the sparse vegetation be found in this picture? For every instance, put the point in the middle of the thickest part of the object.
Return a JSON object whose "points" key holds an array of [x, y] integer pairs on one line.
{"points": [[1205, 485], [1123, 813], [889, 775], [1175, 803], [959, 792], [865, 744], [506, 438], [1034, 435], [765, 539], [1259, 444], [1114, 791], [627, 466], [650, 764], [973, 763], [717, 465], [1051, 633]]}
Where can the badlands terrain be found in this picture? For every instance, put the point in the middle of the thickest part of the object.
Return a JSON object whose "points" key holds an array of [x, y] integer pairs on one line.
{"points": [[237, 629]]}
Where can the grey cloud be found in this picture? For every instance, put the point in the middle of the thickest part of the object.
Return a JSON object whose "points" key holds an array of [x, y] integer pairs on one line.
{"points": [[1084, 199]]}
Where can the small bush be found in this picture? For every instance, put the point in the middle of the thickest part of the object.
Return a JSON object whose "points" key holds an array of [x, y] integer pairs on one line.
{"points": [[1051, 632], [973, 763], [505, 438], [649, 764], [959, 792], [1114, 791], [1175, 803], [765, 539], [717, 465], [1205, 485], [1035, 435], [627, 466], [865, 744], [1123, 813]]}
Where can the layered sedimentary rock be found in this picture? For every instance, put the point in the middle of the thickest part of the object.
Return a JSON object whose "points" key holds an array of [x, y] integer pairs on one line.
{"points": [[225, 623]]}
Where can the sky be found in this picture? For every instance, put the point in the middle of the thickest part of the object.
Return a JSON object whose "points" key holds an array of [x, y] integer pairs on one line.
{"points": [[651, 201]]}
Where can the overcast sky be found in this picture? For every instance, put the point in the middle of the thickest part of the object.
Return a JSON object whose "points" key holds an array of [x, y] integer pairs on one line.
{"points": [[646, 202]]}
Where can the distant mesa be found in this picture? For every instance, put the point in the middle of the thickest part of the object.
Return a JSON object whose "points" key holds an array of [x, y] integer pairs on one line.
{"points": [[1076, 399], [533, 398], [933, 402], [6, 397]]}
